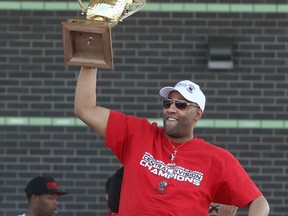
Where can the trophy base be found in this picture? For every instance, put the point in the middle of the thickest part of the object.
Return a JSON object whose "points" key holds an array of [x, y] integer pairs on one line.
{"points": [[87, 43]]}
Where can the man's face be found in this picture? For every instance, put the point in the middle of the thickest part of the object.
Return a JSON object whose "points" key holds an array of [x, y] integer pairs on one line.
{"points": [[46, 205], [213, 210], [179, 123]]}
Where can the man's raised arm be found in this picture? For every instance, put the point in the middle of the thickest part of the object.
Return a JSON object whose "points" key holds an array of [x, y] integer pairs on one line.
{"points": [[85, 107]]}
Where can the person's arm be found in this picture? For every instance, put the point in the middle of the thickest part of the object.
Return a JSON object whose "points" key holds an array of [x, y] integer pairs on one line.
{"points": [[259, 207], [227, 210], [85, 107]]}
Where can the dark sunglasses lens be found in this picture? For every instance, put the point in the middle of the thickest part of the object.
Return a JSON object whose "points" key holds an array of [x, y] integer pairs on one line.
{"points": [[166, 103], [181, 104]]}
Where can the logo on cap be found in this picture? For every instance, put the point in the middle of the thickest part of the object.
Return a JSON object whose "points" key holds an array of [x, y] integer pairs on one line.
{"points": [[189, 87], [52, 185]]}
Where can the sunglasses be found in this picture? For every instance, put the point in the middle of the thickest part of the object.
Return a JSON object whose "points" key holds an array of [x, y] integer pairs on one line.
{"points": [[216, 208], [180, 104]]}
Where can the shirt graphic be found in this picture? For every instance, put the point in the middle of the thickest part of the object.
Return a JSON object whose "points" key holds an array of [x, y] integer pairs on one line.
{"points": [[158, 167]]}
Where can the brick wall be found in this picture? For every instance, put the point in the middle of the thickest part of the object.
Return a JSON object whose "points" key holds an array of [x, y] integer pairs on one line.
{"points": [[151, 49]]}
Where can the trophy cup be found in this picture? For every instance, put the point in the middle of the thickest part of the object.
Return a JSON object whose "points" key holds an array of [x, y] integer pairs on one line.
{"points": [[87, 42]]}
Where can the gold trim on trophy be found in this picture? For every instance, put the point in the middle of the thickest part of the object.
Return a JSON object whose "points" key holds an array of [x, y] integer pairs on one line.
{"points": [[87, 42]]}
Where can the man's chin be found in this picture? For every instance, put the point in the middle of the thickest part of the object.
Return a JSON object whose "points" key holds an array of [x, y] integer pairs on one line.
{"points": [[170, 131]]}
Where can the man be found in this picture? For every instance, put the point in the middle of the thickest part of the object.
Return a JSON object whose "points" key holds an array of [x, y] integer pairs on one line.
{"points": [[222, 210], [42, 193], [168, 171]]}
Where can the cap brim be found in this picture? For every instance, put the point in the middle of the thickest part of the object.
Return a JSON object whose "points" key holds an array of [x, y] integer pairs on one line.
{"points": [[59, 193], [164, 92], [62, 193]]}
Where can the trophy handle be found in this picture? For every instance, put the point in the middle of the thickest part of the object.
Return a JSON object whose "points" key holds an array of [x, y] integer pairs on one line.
{"points": [[133, 8], [83, 8]]}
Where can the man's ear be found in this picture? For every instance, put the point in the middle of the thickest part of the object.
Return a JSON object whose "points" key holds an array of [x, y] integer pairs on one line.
{"points": [[34, 199], [199, 114]]}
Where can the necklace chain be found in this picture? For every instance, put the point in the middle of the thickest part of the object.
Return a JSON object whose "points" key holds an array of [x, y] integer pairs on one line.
{"points": [[173, 155]]}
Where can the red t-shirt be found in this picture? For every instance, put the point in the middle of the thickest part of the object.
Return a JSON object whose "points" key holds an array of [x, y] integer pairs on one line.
{"points": [[203, 173]]}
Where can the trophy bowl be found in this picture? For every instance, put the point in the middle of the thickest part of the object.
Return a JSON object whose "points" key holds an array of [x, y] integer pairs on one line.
{"points": [[87, 42]]}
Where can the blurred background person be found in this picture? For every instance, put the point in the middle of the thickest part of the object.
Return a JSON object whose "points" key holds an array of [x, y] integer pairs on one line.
{"points": [[42, 193], [113, 191]]}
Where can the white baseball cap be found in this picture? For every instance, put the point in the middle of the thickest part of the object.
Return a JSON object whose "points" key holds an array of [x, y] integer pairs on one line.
{"points": [[189, 90]]}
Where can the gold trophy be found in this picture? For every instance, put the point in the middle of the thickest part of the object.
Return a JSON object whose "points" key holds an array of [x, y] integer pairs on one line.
{"points": [[87, 42]]}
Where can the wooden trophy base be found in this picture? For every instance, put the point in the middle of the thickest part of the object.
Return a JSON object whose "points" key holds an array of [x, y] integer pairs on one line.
{"points": [[87, 43]]}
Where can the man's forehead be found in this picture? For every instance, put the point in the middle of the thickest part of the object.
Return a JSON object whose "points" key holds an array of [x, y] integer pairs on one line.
{"points": [[176, 95]]}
